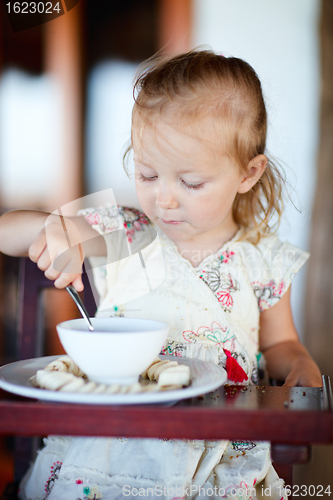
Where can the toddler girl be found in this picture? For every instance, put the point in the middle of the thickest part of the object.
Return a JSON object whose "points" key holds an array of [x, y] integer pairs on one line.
{"points": [[208, 195]]}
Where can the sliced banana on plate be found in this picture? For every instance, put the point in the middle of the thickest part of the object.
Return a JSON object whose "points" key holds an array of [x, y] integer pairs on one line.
{"points": [[64, 375]]}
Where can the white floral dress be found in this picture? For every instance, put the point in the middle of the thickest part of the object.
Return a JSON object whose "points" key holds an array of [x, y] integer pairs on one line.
{"points": [[213, 311]]}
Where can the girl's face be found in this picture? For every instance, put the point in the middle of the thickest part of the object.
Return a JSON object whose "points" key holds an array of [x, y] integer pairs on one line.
{"points": [[185, 188]]}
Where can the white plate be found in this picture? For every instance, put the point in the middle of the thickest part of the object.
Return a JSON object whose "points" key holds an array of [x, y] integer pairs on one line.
{"points": [[14, 377]]}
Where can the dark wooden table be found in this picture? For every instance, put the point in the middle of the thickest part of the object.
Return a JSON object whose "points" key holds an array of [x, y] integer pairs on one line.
{"points": [[292, 419], [281, 415]]}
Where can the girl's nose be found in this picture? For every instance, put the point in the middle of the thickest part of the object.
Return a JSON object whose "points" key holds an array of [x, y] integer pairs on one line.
{"points": [[166, 197]]}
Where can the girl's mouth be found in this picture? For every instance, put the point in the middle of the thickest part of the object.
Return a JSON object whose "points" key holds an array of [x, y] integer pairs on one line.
{"points": [[172, 221]]}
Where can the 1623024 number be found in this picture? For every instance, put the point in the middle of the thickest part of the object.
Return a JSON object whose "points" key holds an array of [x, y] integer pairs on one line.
{"points": [[306, 491], [33, 8]]}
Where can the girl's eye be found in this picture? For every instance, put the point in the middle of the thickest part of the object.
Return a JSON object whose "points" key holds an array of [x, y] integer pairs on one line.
{"points": [[143, 178], [192, 186]]}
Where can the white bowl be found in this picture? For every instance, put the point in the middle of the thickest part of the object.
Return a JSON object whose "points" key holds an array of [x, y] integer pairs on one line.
{"points": [[117, 351]]}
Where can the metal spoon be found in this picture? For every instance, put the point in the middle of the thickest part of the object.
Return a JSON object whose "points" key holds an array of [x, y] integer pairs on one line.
{"points": [[76, 297]]}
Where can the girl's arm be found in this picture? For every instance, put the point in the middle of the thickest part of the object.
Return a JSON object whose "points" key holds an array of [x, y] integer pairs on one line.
{"points": [[41, 236], [286, 358], [18, 229]]}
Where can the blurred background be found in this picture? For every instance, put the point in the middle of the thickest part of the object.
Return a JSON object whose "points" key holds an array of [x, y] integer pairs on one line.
{"points": [[65, 111]]}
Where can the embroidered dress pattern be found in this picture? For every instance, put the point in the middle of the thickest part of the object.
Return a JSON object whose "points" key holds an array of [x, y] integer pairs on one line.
{"points": [[227, 256], [174, 348], [118, 311], [240, 488], [54, 475], [91, 493], [106, 219], [110, 218], [216, 334], [134, 220], [243, 445], [221, 283], [268, 294]]}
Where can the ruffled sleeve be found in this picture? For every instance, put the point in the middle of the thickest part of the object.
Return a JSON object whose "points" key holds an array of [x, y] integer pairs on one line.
{"points": [[271, 267], [108, 219], [125, 230], [103, 219]]}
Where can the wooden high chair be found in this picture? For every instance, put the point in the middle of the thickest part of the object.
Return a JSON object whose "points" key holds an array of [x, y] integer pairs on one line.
{"points": [[30, 340], [290, 432]]}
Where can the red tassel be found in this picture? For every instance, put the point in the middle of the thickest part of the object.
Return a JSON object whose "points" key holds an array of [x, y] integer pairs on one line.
{"points": [[234, 371]]}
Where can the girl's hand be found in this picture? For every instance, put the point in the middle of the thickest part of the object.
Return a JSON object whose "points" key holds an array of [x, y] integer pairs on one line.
{"points": [[304, 373], [57, 251], [53, 242]]}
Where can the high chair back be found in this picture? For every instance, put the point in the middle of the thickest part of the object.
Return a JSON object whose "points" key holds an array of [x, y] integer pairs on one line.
{"points": [[30, 338]]}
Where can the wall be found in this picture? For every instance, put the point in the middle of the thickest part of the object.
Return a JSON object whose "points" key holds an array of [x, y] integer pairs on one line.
{"points": [[110, 101]]}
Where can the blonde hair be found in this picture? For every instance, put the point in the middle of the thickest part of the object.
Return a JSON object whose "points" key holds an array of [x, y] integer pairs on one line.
{"points": [[205, 86]]}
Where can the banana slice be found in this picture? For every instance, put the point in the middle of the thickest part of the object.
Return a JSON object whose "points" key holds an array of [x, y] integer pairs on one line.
{"points": [[151, 388], [112, 389], [174, 375], [170, 387], [64, 364], [73, 385], [157, 368], [145, 373], [88, 387], [100, 388], [56, 365], [124, 389], [53, 380], [135, 388]]}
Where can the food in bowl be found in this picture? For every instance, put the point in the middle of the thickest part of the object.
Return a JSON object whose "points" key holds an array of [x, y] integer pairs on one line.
{"points": [[117, 351]]}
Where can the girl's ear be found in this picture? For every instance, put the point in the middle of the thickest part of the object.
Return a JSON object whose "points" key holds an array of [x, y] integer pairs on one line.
{"points": [[255, 170]]}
